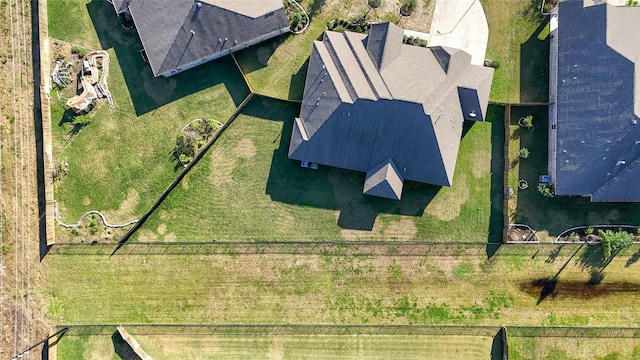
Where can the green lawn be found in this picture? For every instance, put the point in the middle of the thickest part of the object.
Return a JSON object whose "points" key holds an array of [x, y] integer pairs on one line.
{"points": [[283, 347], [121, 162], [246, 189], [552, 216], [518, 38], [263, 289], [521, 348]]}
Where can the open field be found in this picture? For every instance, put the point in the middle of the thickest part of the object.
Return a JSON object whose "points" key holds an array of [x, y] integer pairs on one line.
{"points": [[569, 289], [551, 216], [521, 348], [278, 67], [121, 161], [518, 38], [284, 347], [246, 189]]}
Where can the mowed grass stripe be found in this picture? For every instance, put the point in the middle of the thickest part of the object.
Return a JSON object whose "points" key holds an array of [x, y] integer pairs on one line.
{"points": [[342, 290], [534, 348]]}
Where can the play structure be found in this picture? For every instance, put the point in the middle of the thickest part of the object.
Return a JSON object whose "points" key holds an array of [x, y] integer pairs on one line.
{"points": [[93, 77]]}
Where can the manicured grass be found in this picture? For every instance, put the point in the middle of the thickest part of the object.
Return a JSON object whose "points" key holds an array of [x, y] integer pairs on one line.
{"points": [[121, 162], [85, 347], [69, 20], [289, 347], [521, 348], [518, 38], [278, 67], [342, 290], [246, 189], [552, 216]]}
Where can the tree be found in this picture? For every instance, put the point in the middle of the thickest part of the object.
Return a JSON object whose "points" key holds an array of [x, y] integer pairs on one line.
{"points": [[524, 153], [546, 190], [407, 7], [614, 241], [526, 121]]}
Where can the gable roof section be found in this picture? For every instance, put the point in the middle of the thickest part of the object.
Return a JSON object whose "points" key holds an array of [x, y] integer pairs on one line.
{"points": [[177, 33], [120, 5], [596, 134], [356, 116], [384, 181]]}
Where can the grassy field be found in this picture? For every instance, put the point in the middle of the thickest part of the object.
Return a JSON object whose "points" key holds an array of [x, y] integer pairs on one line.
{"points": [[246, 188], [521, 348], [552, 216], [518, 38], [121, 161], [287, 56], [285, 347], [505, 290]]}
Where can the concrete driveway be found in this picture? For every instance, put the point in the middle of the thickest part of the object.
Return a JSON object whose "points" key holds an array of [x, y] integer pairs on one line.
{"points": [[460, 24]]}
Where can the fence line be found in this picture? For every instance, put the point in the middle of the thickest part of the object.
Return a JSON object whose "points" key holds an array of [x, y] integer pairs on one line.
{"points": [[549, 250], [280, 329], [332, 329]]}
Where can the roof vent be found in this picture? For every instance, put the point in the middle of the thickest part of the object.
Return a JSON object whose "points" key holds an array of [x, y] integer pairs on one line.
{"points": [[634, 122], [621, 162], [199, 4], [637, 142], [473, 113]]}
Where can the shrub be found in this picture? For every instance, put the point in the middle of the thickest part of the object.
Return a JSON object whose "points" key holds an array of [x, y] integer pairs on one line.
{"points": [[77, 49], [527, 121], [632, 3], [588, 230], [374, 4], [524, 153], [614, 241], [574, 237], [407, 7], [81, 120], [494, 64], [546, 190]]}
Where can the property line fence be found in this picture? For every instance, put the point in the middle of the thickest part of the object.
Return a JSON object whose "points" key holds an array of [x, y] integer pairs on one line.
{"points": [[279, 329], [331, 329], [550, 251]]}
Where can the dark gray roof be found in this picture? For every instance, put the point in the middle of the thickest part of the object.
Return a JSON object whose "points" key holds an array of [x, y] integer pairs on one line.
{"points": [[384, 180], [120, 5], [598, 141], [176, 33], [361, 108]]}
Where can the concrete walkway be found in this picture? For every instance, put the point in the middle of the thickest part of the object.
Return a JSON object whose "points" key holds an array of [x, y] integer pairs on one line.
{"points": [[461, 24]]}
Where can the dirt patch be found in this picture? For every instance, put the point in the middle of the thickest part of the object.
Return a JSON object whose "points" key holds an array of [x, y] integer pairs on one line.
{"points": [[146, 235], [126, 209], [276, 348], [404, 229], [222, 166], [354, 235], [481, 164], [170, 237], [86, 201], [162, 228], [420, 20], [245, 148], [446, 205]]}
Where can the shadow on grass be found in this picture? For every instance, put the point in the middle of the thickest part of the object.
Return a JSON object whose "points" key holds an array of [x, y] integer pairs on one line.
{"points": [[257, 56], [495, 114], [315, 7], [148, 92], [122, 348], [497, 345], [333, 188], [534, 65], [296, 89]]}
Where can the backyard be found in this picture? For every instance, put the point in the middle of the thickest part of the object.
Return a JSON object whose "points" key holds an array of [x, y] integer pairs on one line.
{"points": [[246, 181], [120, 162], [560, 348], [550, 216], [282, 347]]}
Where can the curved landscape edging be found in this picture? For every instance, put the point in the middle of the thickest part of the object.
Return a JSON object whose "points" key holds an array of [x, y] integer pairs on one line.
{"points": [[305, 15], [568, 231], [104, 220], [525, 242]]}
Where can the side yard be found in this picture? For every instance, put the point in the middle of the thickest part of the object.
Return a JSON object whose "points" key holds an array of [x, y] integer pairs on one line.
{"points": [[246, 189], [521, 348], [119, 160], [550, 216]]}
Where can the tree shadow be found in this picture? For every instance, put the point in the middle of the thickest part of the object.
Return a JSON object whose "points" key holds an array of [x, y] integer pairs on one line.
{"points": [[148, 92], [333, 188], [534, 65], [315, 7], [633, 259]]}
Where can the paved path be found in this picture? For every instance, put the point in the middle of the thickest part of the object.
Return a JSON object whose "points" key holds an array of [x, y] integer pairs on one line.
{"points": [[461, 24]]}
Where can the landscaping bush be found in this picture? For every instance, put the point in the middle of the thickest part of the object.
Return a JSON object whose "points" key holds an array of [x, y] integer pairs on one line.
{"points": [[77, 49], [526, 122], [374, 4], [615, 241], [588, 230], [407, 7], [524, 153], [546, 190], [494, 64]]}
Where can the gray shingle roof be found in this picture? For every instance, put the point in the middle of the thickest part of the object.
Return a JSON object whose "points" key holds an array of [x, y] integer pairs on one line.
{"points": [[598, 142], [120, 5], [361, 109], [177, 33], [384, 180]]}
